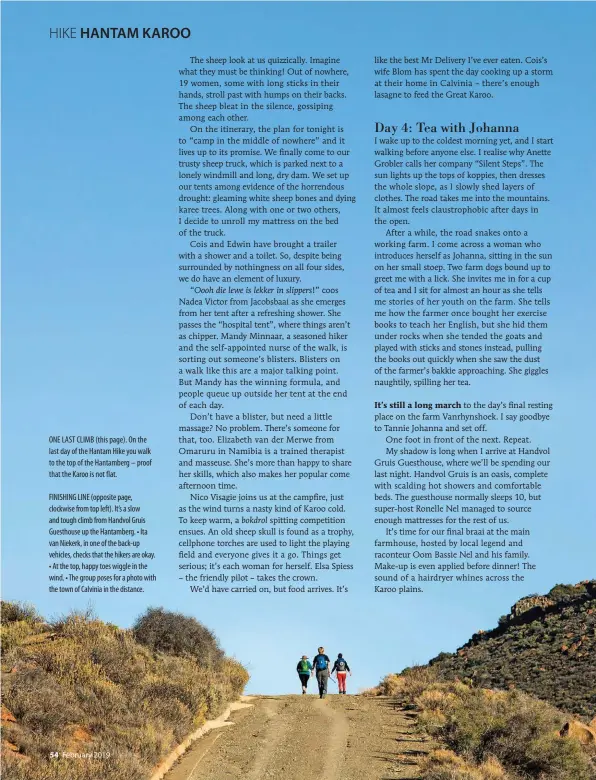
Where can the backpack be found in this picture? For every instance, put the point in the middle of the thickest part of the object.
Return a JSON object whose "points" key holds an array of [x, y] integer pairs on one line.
{"points": [[321, 662], [304, 666], [341, 665]]}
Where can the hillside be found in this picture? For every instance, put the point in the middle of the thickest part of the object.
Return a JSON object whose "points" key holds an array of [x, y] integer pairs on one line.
{"points": [[545, 646], [121, 698], [116, 701], [488, 734]]}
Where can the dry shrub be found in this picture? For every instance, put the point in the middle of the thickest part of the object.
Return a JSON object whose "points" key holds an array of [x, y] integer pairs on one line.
{"points": [[73, 621], [432, 720], [121, 768], [492, 769], [434, 697], [177, 634], [416, 680], [235, 675], [370, 693], [446, 765], [19, 611], [130, 700], [407, 685], [389, 685], [67, 662], [12, 635], [18, 622], [39, 701], [517, 730]]}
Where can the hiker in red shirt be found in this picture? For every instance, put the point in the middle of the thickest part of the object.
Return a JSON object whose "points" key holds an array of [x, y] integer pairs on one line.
{"points": [[341, 668]]}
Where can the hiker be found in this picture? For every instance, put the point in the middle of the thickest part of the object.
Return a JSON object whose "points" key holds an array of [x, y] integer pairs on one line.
{"points": [[341, 668], [321, 666], [304, 669]]}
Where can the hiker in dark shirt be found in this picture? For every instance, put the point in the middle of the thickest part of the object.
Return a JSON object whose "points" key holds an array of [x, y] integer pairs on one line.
{"points": [[341, 668], [304, 669], [321, 666]]}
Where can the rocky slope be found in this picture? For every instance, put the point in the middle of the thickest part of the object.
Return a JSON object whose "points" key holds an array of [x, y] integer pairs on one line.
{"points": [[545, 646]]}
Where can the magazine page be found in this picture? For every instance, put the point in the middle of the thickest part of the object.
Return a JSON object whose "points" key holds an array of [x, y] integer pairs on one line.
{"points": [[298, 364]]}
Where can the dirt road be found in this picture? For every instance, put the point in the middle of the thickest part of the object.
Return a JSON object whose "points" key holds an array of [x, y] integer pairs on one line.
{"points": [[306, 738]]}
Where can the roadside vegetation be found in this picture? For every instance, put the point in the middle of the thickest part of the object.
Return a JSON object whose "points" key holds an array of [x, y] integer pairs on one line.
{"points": [[486, 734], [515, 702], [124, 697]]}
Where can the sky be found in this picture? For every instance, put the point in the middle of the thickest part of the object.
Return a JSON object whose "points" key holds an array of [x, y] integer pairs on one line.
{"points": [[90, 293]]}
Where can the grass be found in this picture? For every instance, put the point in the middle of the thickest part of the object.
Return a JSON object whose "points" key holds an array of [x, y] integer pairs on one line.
{"points": [[447, 765], [494, 734], [81, 685], [489, 734], [18, 622]]}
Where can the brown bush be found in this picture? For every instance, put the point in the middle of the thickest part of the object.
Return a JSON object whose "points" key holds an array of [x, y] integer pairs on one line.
{"points": [[177, 634], [132, 701], [407, 685], [415, 680], [512, 727], [19, 611], [389, 685], [446, 765]]}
